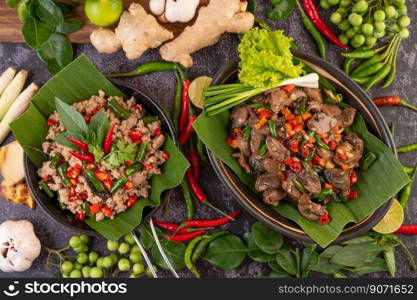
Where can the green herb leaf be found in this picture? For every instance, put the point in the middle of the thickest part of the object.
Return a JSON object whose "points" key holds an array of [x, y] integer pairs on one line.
{"points": [[72, 120], [56, 53], [61, 138], [69, 26], [174, 251], [275, 274], [226, 252], [286, 261], [146, 237], [376, 265], [254, 252], [65, 7], [12, 3], [276, 267], [49, 12], [122, 154], [281, 10], [309, 258], [97, 151], [36, 33], [268, 240], [356, 255], [97, 129]]}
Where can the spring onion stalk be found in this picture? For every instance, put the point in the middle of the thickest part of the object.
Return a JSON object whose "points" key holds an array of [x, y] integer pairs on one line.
{"points": [[223, 97], [6, 78], [18, 107], [12, 91]]}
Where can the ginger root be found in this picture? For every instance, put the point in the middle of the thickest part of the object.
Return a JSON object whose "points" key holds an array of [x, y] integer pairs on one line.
{"points": [[136, 32], [218, 17]]}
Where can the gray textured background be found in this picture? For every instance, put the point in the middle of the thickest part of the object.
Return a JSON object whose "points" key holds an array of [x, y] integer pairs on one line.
{"points": [[162, 87]]}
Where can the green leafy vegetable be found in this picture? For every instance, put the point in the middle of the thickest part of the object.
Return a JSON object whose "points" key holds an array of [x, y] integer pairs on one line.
{"points": [[49, 12], [309, 258], [97, 151], [254, 252], [98, 127], [72, 120], [174, 251], [226, 252], [36, 33], [69, 26], [356, 255], [268, 240], [281, 10], [266, 59], [286, 261], [56, 53], [122, 154]]}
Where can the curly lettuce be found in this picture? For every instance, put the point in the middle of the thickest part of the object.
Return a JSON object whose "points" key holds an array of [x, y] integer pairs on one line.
{"points": [[266, 59]]}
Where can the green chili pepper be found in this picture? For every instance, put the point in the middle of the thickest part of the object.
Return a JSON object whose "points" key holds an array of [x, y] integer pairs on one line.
{"points": [[301, 108], [91, 176], [298, 185], [62, 172], [361, 80], [390, 78], [367, 161], [247, 132], [133, 169], [188, 253], [374, 59], [204, 243], [323, 194], [150, 119], [118, 110], [150, 67], [371, 70], [405, 193], [262, 148], [320, 142], [141, 151], [62, 205], [86, 207], [177, 103], [378, 77], [121, 182], [258, 105], [310, 155], [44, 186], [364, 54], [392, 128], [55, 160], [273, 128], [201, 150], [408, 148], [347, 64], [188, 200]]}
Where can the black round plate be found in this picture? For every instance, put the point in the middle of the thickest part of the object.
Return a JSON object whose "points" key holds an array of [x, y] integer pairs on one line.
{"points": [[65, 217]]}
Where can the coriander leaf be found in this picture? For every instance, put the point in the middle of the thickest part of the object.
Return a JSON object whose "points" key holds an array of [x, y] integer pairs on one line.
{"points": [[49, 12], [69, 26], [281, 10], [121, 154], [97, 151], [35, 32], [72, 120]]}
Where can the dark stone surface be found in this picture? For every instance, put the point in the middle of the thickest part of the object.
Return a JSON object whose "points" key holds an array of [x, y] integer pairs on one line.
{"points": [[162, 87]]}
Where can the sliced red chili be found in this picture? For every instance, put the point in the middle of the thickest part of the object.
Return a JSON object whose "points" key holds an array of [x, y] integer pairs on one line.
{"points": [[137, 107], [296, 166], [91, 166], [157, 132], [46, 177], [316, 159], [147, 166], [294, 146], [128, 185], [265, 114], [341, 156], [324, 219], [165, 155], [107, 211], [131, 201], [50, 122], [353, 195], [95, 208], [332, 145], [80, 216], [74, 181], [135, 134], [72, 191], [353, 178], [102, 176], [108, 184]]}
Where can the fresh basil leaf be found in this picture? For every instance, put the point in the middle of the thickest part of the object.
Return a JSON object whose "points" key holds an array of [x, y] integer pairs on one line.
{"points": [[56, 53], [174, 251], [36, 33], [65, 7], [72, 120], [276, 267], [98, 127], [49, 12], [69, 26], [309, 258], [275, 274], [254, 252], [226, 252], [281, 10], [376, 265], [286, 261], [268, 240], [61, 138], [12, 3], [356, 255]]}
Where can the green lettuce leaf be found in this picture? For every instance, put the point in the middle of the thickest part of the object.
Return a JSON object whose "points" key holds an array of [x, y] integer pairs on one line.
{"points": [[266, 59]]}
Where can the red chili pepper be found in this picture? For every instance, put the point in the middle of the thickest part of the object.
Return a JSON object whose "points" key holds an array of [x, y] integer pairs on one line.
{"points": [[306, 150], [353, 178], [341, 156], [316, 159], [107, 211], [195, 187], [296, 166], [72, 191], [288, 88], [213, 222], [177, 229], [84, 196], [102, 176], [157, 132], [137, 107], [74, 181], [407, 229], [131, 201], [46, 177], [332, 145], [91, 166], [77, 143], [353, 195], [50, 122], [265, 114], [294, 145], [128, 186], [315, 17], [188, 130], [324, 219], [147, 166], [88, 157], [165, 155], [80, 216], [108, 184], [184, 237], [185, 104], [87, 118], [95, 208], [108, 140], [135, 134], [387, 101], [194, 160]]}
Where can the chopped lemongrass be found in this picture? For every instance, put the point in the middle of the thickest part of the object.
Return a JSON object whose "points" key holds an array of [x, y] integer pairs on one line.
{"points": [[6, 78], [19, 106], [12, 92]]}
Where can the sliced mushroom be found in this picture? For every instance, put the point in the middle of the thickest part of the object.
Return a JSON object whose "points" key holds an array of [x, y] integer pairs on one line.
{"points": [[267, 181], [276, 150], [321, 122], [310, 181], [310, 210], [338, 178], [273, 196], [314, 95], [239, 116]]}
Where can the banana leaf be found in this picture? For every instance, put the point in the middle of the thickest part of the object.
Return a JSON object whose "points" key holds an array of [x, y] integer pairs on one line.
{"points": [[78, 81], [375, 186]]}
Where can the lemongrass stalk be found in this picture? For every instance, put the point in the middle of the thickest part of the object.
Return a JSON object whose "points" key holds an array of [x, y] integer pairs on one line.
{"points": [[12, 92], [18, 107], [6, 78]]}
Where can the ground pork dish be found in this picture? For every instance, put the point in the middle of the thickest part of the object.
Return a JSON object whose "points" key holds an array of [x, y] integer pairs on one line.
{"points": [[102, 153], [298, 144]]}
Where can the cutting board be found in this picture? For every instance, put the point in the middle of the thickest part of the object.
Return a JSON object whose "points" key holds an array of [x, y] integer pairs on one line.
{"points": [[10, 25]]}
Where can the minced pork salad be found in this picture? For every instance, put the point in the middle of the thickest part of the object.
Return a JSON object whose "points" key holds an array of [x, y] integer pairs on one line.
{"points": [[102, 154]]}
